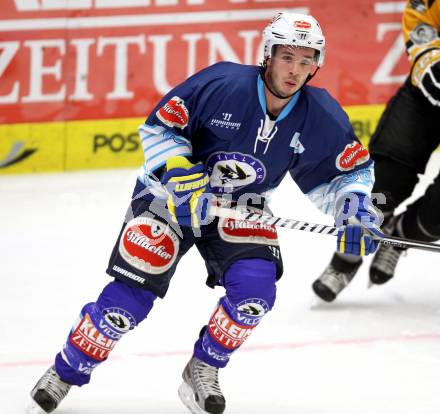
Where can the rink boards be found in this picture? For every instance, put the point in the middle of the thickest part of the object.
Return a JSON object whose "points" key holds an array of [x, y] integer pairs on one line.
{"points": [[109, 143], [77, 78]]}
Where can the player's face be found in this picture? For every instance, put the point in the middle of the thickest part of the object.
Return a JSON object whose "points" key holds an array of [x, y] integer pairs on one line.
{"points": [[289, 68]]}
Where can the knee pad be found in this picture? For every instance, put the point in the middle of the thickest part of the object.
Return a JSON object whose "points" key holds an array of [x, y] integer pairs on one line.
{"points": [[250, 290], [136, 301], [100, 326], [249, 279]]}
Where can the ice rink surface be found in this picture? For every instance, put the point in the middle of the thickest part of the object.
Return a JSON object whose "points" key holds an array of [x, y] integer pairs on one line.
{"points": [[372, 351]]}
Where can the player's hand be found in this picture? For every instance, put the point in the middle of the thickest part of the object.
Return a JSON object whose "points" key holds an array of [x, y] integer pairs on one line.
{"points": [[358, 221], [357, 240], [426, 75], [188, 191]]}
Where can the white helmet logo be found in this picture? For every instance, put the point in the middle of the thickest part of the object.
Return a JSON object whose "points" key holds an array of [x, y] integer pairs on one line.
{"points": [[301, 24]]}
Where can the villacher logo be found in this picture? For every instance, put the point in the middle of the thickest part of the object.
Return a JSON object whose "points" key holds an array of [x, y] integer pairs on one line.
{"points": [[16, 154]]}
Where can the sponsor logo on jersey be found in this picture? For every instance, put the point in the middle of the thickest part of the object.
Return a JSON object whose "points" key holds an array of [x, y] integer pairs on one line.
{"points": [[87, 338], [301, 24], [225, 122], [16, 154], [149, 245], [230, 171], [423, 34], [174, 113], [354, 154], [227, 332]]}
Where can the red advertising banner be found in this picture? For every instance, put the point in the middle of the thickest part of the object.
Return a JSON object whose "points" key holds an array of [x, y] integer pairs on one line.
{"points": [[99, 59]]}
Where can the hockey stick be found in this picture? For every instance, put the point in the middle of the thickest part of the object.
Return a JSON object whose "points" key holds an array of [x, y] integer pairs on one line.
{"points": [[244, 214]]}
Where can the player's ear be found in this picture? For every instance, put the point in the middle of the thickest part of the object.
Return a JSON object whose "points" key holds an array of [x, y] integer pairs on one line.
{"points": [[313, 70]]}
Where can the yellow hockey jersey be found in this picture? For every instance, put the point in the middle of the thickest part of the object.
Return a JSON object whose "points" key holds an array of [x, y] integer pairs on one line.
{"points": [[421, 26]]}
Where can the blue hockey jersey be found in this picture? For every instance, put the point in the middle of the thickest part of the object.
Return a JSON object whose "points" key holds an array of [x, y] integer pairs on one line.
{"points": [[218, 116]]}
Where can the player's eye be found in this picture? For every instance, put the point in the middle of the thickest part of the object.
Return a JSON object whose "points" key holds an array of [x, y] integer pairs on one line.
{"points": [[287, 58]]}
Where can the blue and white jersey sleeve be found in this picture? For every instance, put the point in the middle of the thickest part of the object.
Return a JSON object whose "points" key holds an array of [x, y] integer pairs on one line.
{"points": [[171, 126], [333, 162], [325, 195], [165, 133], [159, 144]]}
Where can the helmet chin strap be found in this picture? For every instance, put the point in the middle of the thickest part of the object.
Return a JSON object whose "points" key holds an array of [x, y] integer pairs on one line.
{"points": [[263, 76]]}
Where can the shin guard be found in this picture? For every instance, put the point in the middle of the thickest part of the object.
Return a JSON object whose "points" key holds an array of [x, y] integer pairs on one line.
{"points": [[250, 294], [100, 326]]}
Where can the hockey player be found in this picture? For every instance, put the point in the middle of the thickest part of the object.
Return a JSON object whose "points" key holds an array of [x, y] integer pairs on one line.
{"points": [[407, 134], [230, 130]]}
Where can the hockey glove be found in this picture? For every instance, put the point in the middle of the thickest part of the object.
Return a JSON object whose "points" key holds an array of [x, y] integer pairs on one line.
{"points": [[188, 191], [359, 232], [426, 75]]}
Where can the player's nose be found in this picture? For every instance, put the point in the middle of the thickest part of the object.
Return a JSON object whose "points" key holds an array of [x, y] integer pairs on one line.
{"points": [[294, 68]]}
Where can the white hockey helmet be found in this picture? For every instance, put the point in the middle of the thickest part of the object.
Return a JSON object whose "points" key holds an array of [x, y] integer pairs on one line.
{"points": [[294, 29]]}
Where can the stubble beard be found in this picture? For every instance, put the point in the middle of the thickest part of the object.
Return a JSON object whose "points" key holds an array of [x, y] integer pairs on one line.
{"points": [[274, 88]]}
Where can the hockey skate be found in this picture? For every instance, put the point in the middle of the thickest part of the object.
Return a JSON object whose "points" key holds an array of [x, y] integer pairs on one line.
{"points": [[338, 274], [384, 264], [385, 260], [200, 390], [48, 393]]}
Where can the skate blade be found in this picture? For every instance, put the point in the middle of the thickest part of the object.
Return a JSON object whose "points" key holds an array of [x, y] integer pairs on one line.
{"points": [[186, 395], [316, 302], [33, 408]]}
